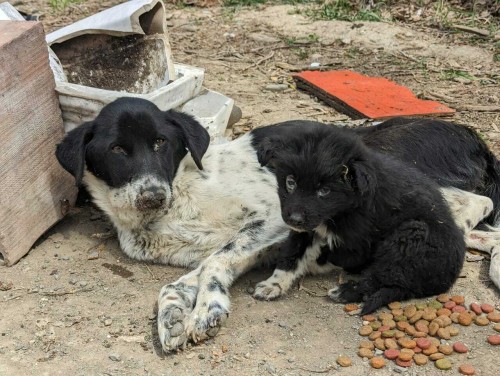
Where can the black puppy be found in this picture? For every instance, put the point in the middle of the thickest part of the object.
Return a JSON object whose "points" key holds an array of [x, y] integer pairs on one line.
{"points": [[371, 212]]}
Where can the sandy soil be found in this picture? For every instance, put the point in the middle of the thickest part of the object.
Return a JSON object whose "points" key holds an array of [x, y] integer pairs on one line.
{"points": [[69, 313]]}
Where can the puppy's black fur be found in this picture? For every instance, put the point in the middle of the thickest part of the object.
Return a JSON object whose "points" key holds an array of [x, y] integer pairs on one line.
{"points": [[452, 155], [374, 212]]}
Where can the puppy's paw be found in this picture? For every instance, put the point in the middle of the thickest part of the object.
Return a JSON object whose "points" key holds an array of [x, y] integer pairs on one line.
{"points": [[175, 303], [267, 290], [348, 292], [206, 320]]}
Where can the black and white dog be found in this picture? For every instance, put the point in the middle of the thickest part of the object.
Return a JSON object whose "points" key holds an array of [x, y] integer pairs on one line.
{"points": [[365, 211], [216, 209]]}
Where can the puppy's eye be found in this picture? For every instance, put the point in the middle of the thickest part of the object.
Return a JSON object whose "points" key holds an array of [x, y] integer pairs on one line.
{"points": [[117, 149], [322, 192], [158, 142], [290, 183]]}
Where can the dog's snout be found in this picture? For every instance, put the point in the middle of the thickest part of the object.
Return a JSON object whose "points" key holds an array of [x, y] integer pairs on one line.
{"points": [[296, 218], [151, 198]]}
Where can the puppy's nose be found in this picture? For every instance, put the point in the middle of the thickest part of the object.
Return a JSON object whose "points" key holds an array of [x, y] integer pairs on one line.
{"points": [[151, 198], [296, 218]]}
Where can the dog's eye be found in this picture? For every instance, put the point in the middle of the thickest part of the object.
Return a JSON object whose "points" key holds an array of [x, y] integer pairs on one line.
{"points": [[322, 192], [158, 142], [290, 183], [118, 149]]}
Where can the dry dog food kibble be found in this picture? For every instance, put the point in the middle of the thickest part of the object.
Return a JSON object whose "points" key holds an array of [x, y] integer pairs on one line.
{"points": [[476, 308], [436, 356], [406, 355], [351, 307], [344, 361], [365, 330], [459, 299], [458, 308], [459, 347], [367, 345], [390, 344], [443, 298], [494, 340], [420, 359], [365, 353], [481, 320], [466, 369], [497, 327], [487, 308], [377, 362], [443, 364], [445, 349], [423, 343], [450, 304], [402, 363], [494, 316], [464, 318], [391, 354]]}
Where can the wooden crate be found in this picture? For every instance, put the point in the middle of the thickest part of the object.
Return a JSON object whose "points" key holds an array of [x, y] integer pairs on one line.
{"points": [[35, 192]]}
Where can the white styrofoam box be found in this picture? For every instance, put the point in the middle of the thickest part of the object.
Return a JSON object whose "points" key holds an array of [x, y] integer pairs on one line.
{"points": [[82, 103], [212, 110]]}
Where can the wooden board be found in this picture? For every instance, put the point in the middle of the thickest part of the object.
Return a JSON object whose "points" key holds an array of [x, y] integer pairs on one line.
{"points": [[362, 96], [35, 192]]}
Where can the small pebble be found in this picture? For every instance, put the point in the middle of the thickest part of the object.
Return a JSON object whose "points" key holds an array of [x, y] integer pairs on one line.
{"points": [[94, 255], [466, 369], [399, 369], [378, 352], [494, 340], [114, 357], [377, 362], [487, 308], [250, 290], [83, 283], [201, 356], [459, 347], [108, 322], [344, 361], [276, 87], [443, 364]]}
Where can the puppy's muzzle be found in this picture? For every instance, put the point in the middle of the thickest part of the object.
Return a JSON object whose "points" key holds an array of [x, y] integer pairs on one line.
{"points": [[150, 199]]}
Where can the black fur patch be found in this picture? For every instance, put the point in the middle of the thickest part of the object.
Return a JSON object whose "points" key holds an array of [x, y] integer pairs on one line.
{"points": [[216, 285]]}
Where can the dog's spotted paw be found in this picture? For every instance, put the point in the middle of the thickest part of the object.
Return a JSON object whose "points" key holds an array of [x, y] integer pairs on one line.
{"points": [[206, 320], [267, 290], [175, 303], [348, 292]]}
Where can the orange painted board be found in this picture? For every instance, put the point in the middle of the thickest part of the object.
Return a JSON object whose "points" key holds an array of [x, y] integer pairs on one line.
{"points": [[362, 96]]}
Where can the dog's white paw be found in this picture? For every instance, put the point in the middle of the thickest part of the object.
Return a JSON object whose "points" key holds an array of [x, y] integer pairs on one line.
{"points": [[495, 266], [267, 290], [206, 319], [275, 286], [175, 303]]}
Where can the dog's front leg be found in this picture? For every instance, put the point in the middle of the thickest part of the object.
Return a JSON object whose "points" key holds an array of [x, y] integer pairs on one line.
{"points": [[195, 306], [299, 255]]}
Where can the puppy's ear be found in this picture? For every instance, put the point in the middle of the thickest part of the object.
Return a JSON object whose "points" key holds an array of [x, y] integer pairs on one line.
{"points": [[362, 177], [268, 150], [196, 137], [71, 151]]}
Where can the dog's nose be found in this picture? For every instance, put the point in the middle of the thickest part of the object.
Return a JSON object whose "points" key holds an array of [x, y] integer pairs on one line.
{"points": [[296, 218], [151, 198]]}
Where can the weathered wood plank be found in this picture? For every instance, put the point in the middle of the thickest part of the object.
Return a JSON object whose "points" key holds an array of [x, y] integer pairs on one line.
{"points": [[35, 191]]}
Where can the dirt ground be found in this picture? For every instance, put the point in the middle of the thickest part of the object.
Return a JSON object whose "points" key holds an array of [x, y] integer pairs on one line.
{"points": [[70, 313]]}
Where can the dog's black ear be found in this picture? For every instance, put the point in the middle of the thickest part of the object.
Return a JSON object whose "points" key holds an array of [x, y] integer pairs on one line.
{"points": [[196, 137], [71, 151], [362, 177], [268, 150]]}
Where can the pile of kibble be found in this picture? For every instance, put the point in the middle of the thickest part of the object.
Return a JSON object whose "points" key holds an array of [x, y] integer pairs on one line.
{"points": [[419, 333]]}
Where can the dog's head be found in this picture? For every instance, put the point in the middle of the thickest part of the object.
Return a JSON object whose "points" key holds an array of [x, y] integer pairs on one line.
{"points": [[321, 175], [132, 151]]}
